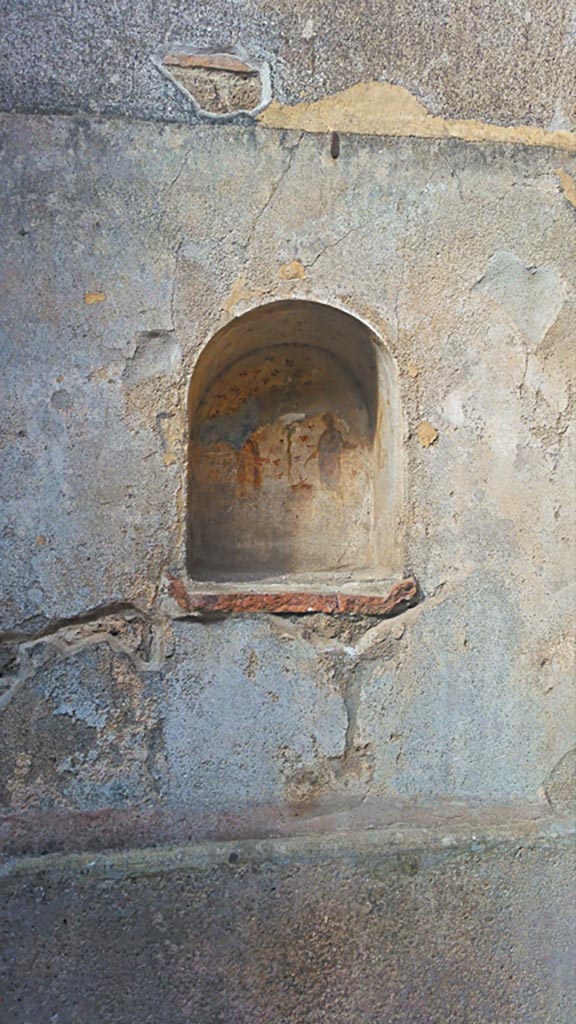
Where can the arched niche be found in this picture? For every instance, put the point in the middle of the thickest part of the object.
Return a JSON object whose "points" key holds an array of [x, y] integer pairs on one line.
{"points": [[294, 449]]}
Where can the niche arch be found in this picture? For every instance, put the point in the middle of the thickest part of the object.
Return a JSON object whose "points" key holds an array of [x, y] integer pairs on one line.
{"points": [[294, 449]]}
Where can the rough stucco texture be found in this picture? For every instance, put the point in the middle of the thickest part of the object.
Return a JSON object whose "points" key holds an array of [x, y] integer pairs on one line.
{"points": [[505, 62], [252, 937], [125, 248]]}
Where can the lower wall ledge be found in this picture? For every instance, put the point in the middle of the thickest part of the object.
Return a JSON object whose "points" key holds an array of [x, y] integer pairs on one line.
{"points": [[427, 845], [396, 926], [92, 845]]}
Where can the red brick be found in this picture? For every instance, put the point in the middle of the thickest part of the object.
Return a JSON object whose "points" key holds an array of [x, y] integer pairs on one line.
{"points": [[403, 594]]}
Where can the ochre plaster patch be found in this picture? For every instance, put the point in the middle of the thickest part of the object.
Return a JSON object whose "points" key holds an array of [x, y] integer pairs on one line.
{"points": [[378, 108], [292, 271], [567, 184], [240, 292], [426, 433], [532, 297]]}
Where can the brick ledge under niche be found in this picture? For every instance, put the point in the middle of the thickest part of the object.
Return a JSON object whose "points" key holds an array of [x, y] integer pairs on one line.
{"points": [[402, 595]]}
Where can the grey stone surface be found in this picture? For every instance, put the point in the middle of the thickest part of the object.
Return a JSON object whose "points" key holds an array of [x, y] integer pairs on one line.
{"points": [[334, 931], [449, 715], [510, 63]]}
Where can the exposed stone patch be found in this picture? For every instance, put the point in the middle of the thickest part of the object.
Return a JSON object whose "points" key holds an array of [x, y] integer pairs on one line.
{"points": [[219, 85]]}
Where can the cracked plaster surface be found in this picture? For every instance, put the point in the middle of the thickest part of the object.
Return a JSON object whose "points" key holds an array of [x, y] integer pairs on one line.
{"points": [[460, 260]]}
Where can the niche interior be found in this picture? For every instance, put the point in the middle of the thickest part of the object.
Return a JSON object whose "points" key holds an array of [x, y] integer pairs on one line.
{"points": [[294, 449]]}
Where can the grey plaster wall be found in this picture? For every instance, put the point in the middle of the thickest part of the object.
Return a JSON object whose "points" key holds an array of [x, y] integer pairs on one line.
{"points": [[125, 250]]}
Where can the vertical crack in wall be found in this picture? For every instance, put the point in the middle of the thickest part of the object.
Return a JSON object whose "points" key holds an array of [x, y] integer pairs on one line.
{"points": [[357, 760], [293, 148]]}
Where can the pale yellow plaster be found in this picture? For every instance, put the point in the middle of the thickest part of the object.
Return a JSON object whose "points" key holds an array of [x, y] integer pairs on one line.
{"points": [[377, 108], [567, 184], [240, 292], [292, 271], [426, 434]]}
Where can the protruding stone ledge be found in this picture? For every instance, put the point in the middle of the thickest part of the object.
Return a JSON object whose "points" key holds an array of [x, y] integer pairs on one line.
{"points": [[403, 595], [135, 842]]}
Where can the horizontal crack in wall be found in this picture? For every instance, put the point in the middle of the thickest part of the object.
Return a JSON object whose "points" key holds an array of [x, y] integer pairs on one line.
{"points": [[56, 625]]}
